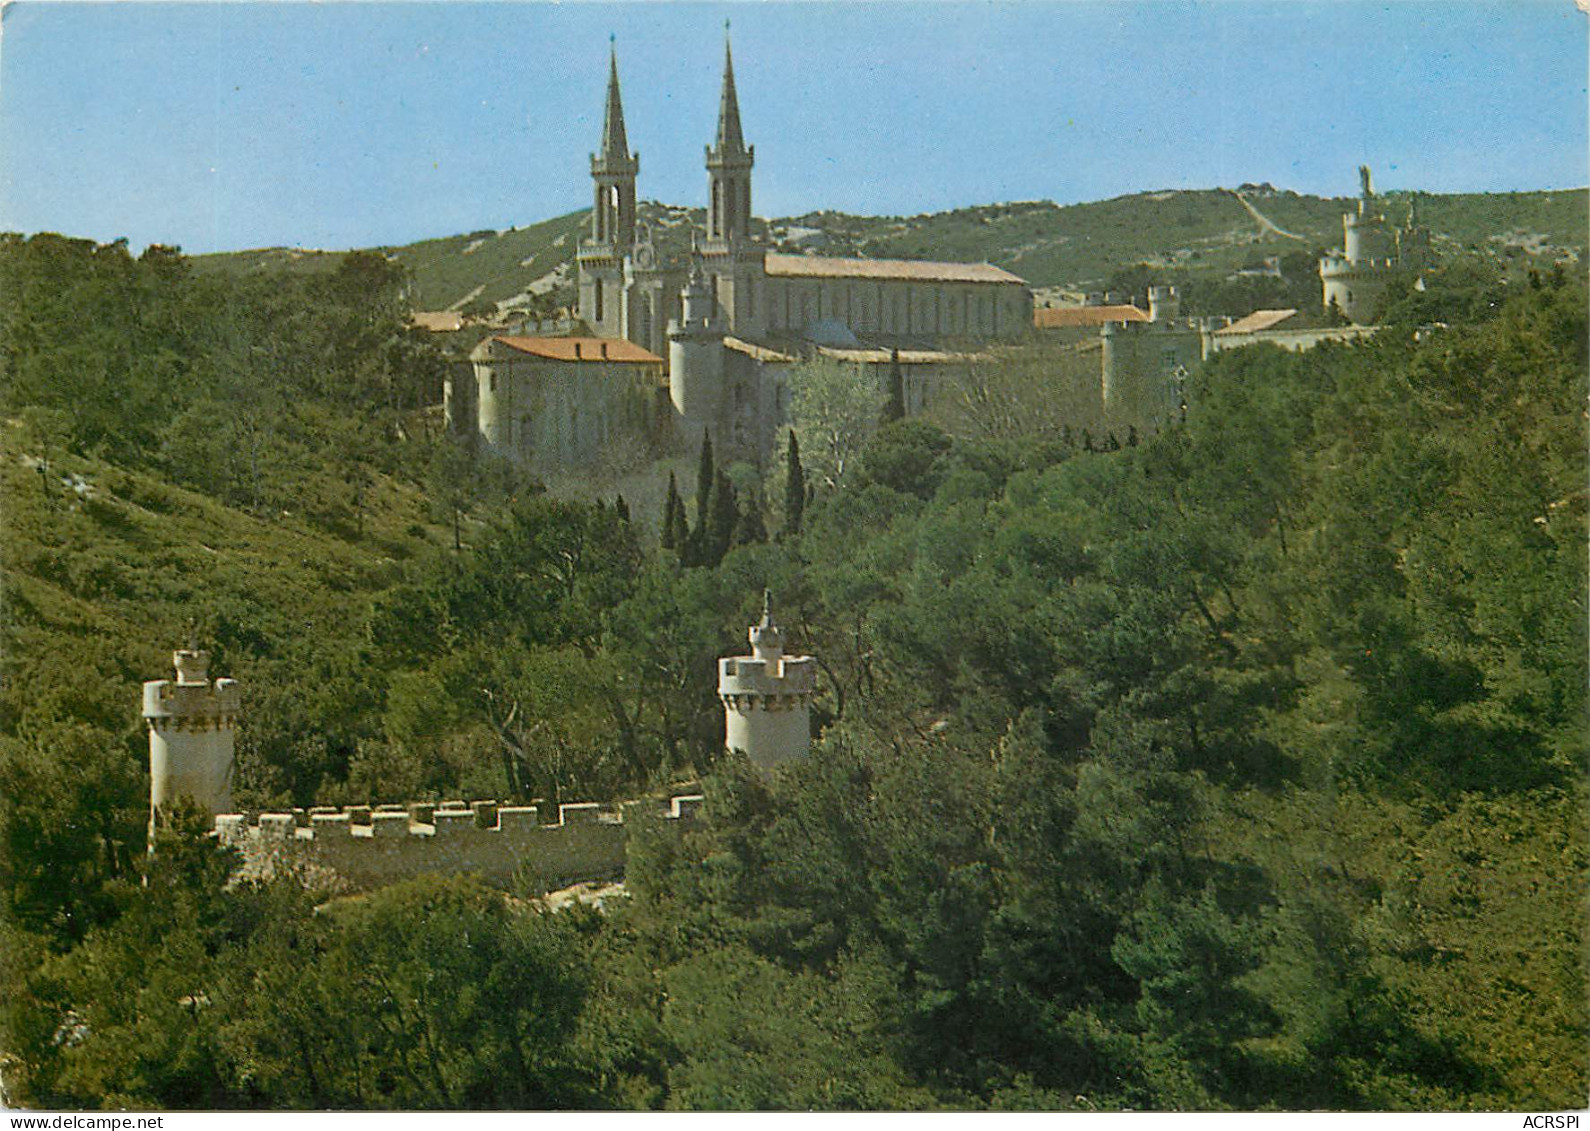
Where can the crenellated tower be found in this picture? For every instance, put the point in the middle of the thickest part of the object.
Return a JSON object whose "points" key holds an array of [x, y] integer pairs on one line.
{"points": [[1375, 261], [192, 729], [695, 358], [602, 254], [767, 697]]}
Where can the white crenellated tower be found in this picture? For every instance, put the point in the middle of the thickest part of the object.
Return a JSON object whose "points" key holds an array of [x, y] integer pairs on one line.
{"points": [[192, 730], [1375, 260], [767, 697], [695, 358]]}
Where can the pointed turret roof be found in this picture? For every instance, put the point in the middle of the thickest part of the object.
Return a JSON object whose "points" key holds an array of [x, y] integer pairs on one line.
{"points": [[730, 139], [615, 145]]}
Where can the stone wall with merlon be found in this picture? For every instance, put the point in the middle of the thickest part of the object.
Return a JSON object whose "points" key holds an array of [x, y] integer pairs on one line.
{"points": [[360, 849]]}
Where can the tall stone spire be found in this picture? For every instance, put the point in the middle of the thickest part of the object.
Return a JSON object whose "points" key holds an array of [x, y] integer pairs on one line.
{"points": [[729, 166], [613, 172], [730, 139], [615, 145]]}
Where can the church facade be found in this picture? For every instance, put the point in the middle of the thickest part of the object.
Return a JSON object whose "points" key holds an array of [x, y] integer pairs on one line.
{"points": [[732, 319]]}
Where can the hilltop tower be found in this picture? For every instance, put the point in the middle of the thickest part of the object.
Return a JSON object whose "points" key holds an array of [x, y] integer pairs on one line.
{"points": [[192, 728], [612, 236], [1373, 258], [767, 697]]}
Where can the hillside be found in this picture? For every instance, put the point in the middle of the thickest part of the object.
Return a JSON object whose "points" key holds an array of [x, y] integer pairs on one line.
{"points": [[1193, 234], [1236, 766]]}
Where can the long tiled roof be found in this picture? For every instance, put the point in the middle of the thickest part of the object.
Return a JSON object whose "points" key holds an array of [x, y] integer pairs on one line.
{"points": [[908, 270], [1258, 320], [580, 349], [758, 352], [876, 356], [1061, 317]]}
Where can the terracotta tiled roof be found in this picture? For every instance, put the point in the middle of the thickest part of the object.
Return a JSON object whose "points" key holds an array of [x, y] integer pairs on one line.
{"points": [[1258, 320], [1059, 317], [580, 349], [909, 270]]}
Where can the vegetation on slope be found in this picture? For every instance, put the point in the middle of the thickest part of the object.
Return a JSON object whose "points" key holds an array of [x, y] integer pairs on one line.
{"points": [[1187, 236], [1241, 766]]}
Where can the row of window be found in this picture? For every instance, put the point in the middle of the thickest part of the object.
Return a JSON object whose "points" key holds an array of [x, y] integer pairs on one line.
{"points": [[889, 309]]}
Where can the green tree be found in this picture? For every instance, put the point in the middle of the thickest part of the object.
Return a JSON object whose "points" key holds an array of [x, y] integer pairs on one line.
{"points": [[749, 528], [794, 486], [673, 518], [833, 409]]}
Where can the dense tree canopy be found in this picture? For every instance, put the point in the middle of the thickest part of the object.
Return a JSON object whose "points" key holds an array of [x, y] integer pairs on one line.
{"points": [[1240, 767]]}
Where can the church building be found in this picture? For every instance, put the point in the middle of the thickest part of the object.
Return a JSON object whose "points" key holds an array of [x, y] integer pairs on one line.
{"points": [[732, 318]]}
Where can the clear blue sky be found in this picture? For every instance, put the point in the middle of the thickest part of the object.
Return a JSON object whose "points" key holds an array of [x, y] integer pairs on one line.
{"points": [[225, 126]]}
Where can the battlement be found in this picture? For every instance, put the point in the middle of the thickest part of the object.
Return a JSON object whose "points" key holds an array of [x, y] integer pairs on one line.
{"points": [[192, 698], [1340, 265], [748, 677], [357, 848]]}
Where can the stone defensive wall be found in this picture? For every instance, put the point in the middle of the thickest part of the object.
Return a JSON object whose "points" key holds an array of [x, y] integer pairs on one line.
{"points": [[359, 848], [1294, 340]]}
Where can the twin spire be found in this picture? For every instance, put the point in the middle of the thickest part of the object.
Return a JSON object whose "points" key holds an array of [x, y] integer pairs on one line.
{"points": [[615, 143]]}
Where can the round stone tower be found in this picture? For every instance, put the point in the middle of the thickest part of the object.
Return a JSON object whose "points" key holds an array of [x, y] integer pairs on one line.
{"points": [[192, 725], [1357, 278], [695, 356], [767, 697]]}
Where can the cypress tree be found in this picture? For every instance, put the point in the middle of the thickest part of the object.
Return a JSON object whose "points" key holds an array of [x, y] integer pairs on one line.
{"points": [[1112, 444], [704, 479], [621, 508], [671, 508], [794, 487], [680, 531], [894, 406], [750, 529], [724, 515]]}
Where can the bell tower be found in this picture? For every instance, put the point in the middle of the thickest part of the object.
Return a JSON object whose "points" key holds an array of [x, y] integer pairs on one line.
{"points": [[734, 266], [729, 164], [614, 170], [601, 254]]}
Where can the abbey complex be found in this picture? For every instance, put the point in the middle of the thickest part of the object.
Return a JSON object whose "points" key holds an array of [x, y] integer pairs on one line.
{"points": [[686, 344], [682, 344]]}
